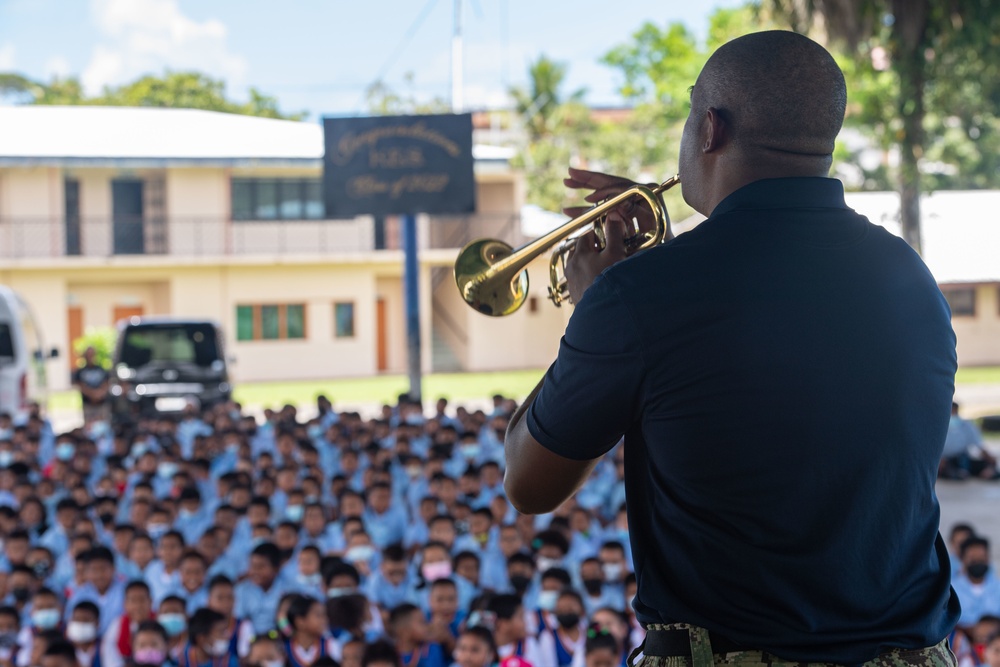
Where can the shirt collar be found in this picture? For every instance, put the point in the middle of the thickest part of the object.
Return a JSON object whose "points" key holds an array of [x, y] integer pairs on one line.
{"points": [[784, 193]]}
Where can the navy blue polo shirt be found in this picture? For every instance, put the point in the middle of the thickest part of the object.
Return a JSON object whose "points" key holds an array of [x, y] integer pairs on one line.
{"points": [[783, 377]]}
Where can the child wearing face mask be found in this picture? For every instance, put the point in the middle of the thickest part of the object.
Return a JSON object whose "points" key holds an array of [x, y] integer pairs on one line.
{"points": [[208, 642], [149, 646], [81, 631], [174, 620]]}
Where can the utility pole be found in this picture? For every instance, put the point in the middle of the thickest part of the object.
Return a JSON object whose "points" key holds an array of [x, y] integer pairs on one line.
{"points": [[457, 103]]}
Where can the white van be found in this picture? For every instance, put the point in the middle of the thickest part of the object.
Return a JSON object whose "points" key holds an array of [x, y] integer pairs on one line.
{"points": [[22, 355]]}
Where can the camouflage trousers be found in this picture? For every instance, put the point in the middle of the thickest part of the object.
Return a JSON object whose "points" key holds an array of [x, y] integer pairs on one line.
{"points": [[702, 655]]}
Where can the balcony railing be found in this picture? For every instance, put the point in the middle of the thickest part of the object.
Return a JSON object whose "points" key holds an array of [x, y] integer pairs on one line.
{"points": [[36, 238]]}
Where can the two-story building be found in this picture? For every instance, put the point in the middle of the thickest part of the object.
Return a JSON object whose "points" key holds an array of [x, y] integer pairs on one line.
{"points": [[107, 213]]}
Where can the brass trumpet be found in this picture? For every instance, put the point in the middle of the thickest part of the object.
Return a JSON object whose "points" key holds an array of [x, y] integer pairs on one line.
{"points": [[491, 275]]}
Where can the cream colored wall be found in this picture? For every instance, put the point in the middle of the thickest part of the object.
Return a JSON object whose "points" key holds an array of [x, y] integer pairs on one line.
{"points": [[197, 211], [320, 355], [31, 203], [979, 337], [523, 340], [496, 197], [98, 300]]}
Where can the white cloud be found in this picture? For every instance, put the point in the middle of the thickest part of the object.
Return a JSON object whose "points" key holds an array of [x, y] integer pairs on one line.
{"points": [[57, 67], [148, 36], [7, 57]]}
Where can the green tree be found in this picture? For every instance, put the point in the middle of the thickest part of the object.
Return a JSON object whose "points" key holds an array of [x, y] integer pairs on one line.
{"points": [[102, 339], [556, 126], [936, 52], [540, 103], [383, 100], [188, 90], [658, 66]]}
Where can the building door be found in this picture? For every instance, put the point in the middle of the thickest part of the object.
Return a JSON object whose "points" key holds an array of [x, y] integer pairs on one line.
{"points": [[74, 321], [381, 337], [126, 206], [72, 217], [125, 312]]}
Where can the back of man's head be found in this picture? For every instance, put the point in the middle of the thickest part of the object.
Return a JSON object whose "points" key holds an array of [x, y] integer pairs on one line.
{"points": [[781, 95]]}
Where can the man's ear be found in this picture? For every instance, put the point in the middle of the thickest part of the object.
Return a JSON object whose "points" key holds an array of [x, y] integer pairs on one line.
{"points": [[714, 131]]}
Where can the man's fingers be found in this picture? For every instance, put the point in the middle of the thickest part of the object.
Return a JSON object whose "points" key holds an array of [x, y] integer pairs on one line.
{"points": [[615, 231]]}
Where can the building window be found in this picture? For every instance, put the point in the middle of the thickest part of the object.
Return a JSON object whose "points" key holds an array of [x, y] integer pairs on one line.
{"points": [[962, 301], [343, 319], [277, 199], [271, 322]]}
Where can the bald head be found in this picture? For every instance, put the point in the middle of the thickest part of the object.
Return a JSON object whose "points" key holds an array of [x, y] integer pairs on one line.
{"points": [[778, 93]]}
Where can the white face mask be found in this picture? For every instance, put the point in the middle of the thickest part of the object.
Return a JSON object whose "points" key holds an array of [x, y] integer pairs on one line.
{"points": [[547, 600], [219, 648], [612, 572], [81, 633]]}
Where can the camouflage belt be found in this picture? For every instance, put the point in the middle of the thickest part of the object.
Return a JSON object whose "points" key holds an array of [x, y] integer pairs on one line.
{"points": [[702, 654]]}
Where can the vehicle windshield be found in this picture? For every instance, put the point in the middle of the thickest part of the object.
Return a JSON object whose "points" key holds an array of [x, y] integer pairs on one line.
{"points": [[6, 345], [169, 343]]}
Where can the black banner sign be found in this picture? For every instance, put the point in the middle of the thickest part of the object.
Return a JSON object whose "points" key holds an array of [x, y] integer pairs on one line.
{"points": [[386, 165]]}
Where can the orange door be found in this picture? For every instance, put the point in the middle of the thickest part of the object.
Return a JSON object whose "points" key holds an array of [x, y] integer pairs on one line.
{"points": [[74, 320], [125, 312], [381, 344]]}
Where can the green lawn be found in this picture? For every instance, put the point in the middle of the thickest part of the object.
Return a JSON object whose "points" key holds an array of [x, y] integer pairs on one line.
{"points": [[981, 375], [385, 388], [379, 389]]}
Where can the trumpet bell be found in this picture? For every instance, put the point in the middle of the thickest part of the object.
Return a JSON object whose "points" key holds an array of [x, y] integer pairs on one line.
{"points": [[495, 297]]}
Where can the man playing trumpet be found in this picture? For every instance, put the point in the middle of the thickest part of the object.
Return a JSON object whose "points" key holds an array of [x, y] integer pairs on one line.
{"points": [[782, 376]]}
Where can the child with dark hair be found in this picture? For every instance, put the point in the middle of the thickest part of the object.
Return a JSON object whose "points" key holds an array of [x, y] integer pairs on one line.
{"points": [[476, 647], [59, 653], [81, 631], [222, 598], [408, 629], [208, 642], [560, 643], [380, 653], [102, 587], [116, 643], [600, 649], [511, 631], [10, 628], [444, 616], [149, 646], [310, 639], [257, 597]]}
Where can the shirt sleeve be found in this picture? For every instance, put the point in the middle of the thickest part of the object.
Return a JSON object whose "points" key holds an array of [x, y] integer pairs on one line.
{"points": [[591, 393]]}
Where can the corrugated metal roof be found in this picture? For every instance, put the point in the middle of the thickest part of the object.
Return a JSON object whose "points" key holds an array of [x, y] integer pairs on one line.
{"points": [[81, 135]]}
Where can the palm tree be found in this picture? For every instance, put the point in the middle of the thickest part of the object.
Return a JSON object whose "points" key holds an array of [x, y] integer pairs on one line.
{"points": [[914, 34]]}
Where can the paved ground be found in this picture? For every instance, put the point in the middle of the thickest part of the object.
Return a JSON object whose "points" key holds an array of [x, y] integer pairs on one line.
{"points": [[975, 502]]}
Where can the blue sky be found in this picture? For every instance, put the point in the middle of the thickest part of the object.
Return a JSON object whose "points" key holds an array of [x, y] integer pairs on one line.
{"points": [[321, 55]]}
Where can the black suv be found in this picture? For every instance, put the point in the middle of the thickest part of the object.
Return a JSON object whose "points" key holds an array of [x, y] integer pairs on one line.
{"points": [[161, 363]]}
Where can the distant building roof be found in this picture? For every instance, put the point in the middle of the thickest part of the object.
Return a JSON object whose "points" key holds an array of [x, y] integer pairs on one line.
{"points": [[147, 136], [960, 229]]}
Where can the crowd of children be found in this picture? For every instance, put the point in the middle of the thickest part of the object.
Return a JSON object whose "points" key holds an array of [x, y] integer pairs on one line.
{"points": [[976, 641], [215, 539]]}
